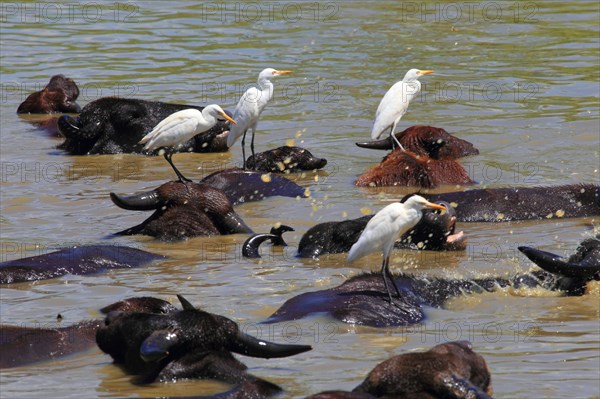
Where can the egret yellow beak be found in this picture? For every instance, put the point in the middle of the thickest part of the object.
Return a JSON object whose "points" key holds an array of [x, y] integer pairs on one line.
{"points": [[224, 115], [281, 72], [435, 206], [426, 72]]}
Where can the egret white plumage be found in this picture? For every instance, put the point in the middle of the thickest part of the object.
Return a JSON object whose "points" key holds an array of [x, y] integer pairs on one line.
{"points": [[181, 126], [251, 105], [395, 102], [386, 227]]}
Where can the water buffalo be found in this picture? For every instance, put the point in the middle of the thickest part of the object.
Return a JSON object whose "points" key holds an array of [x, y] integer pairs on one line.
{"points": [[87, 259], [285, 160], [59, 95], [431, 141], [523, 203], [24, 345], [449, 370], [112, 125], [362, 299], [183, 210], [245, 185], [189, 343], [205, 208], [434, 231], [405, 168]]}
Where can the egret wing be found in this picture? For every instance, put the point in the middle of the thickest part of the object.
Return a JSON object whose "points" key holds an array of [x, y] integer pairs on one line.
{"points": [[246, 115], [174, 129], [378, 232], [393, 106]]}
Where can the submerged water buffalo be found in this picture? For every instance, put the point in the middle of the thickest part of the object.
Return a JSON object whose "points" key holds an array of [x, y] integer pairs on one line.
{"points": [[285, 160], [183, 210], [59, 95], [434, 231], [189, 343], [87, 259], [405, 168], [205, 208], [363, 299], [245, 185], [523, 203], [585, 261], [427, 141], [429, 160], [25, 345], [112, 125], [449, 370]]}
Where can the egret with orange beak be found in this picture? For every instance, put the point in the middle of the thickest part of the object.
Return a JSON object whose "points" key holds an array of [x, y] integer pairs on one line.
{"points": [[251, 105], [395, 103], [385, 228], [181, 126]]}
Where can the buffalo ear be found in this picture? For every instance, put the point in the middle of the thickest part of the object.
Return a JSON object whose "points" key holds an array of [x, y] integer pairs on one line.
{"points": [[158, 345], [185, 304]]}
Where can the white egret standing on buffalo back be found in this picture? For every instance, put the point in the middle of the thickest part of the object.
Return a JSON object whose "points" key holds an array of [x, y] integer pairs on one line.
{"points": [[249, 108], [181, 126], [386, 227], [394, 104]]}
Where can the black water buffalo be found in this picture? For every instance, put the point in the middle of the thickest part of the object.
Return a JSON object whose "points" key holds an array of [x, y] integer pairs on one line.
{"points": [[87, 259], [183, 210], [285, 160], [205, 208], [449, 370], [523, 203], [434, 231], [24, 345], [245, 185], [585, 261], [112, 125], [363, 299], [189, 343], [428, 141], [59, 95]]}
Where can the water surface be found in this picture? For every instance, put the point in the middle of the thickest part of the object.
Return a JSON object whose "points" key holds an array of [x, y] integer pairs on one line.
{"points": [[518, 79]]}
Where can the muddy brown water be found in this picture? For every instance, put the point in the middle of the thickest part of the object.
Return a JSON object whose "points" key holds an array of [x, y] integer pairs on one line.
{"points": [[518, 79]]}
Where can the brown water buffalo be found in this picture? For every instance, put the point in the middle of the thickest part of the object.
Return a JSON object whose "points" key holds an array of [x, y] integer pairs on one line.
{"points": [[449, 370], [433, 142], [59, 95]]}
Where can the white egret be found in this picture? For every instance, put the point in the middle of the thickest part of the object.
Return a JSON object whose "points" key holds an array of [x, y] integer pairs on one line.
{"points": [[385, 228], [249, 108], [181, 126], [395, 102]]}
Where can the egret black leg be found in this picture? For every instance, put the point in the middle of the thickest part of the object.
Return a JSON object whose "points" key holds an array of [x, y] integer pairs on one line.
{"points": [[181, 177], [389, 273], [384, 273], [252, 143], [244, 150]]}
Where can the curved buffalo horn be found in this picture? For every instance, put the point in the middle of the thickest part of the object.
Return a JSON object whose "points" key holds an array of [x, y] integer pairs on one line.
{"points": [[384, 144], [251, 245], [137, 202], [232, 223], [185, 304], [278, 232], [555, 264], [245, 344], [158, 344]]}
